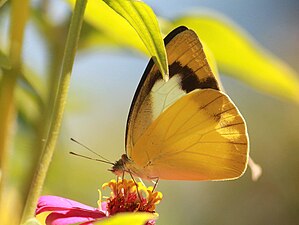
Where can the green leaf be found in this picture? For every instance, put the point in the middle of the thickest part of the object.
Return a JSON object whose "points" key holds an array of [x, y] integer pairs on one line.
{"points": [[138, 218], [97, 14], [91, 37], [143, 20], [4, 61], [238, 55], [120, 27]]}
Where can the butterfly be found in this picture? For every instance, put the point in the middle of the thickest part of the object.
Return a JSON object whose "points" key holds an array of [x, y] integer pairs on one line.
{"points": [[185, 128]]}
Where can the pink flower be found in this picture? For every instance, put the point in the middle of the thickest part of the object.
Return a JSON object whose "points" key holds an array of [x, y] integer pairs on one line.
{"points": [[125, 197], [66, 211]]}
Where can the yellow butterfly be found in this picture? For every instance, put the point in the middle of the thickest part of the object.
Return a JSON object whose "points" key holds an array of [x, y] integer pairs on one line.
{"points": [[185, 128]]}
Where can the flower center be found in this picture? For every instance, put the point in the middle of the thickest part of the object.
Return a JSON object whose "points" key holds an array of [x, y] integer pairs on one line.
{"points": [[126, 197]]}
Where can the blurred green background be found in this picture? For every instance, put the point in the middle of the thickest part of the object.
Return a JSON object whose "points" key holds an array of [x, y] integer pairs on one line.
{"points": [[102, 86]]}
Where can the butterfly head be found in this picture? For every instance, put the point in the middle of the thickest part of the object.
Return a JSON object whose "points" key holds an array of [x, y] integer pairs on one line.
{"points": [[119, 166]]}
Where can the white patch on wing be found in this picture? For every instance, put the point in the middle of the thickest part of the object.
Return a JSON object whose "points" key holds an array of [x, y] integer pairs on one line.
{"points": [[164, 94]]}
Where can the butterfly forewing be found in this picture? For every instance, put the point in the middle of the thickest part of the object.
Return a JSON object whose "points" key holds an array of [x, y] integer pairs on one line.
{"points": [[188, 70], [200, 137]]}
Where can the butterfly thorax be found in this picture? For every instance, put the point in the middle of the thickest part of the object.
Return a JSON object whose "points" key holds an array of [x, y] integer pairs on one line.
{"points": [[119, 166], [125, 164]]}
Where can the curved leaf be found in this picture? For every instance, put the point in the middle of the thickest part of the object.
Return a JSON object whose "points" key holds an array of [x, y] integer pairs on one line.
{"points": [[143, 20], [138, 218], [113, 27], [134, 25], [239, 56]]}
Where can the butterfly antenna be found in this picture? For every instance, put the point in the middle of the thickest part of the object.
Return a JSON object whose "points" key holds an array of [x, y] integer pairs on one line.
{"points": [[84, 146], [86, 157]]}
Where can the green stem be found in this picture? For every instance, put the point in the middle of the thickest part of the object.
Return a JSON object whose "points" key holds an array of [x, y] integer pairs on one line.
{"points": [[18, 17], [53, 36], [61, 97]]}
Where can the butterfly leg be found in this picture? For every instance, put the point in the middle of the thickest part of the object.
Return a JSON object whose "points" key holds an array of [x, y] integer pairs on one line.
{"points": [[135, 185], [155, 182], [122, 179], [123, 176], [117, 179]]}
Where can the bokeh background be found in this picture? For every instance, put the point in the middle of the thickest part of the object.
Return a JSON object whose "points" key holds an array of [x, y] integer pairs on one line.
{"points": [[102, 87]]}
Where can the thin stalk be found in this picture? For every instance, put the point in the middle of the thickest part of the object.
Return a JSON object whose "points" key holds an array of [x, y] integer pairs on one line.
{"points": [[53, 36], [61, 97], [18, 17]]}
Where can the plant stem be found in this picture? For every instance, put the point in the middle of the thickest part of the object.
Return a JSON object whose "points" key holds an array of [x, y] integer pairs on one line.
{"points": [[18, 18], [55, 38], [61, 97]]}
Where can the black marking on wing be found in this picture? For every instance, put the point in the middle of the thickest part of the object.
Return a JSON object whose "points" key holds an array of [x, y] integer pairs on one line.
{"points": [[189, 80], [209, 82]]}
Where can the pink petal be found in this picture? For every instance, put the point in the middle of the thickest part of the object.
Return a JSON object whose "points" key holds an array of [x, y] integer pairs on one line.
{"points": [[66, 211], [59, 204], [74, 216], [103, 207]]}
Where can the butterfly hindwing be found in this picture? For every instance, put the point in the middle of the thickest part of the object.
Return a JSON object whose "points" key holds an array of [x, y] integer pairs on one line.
{"points": [[200, 137], [188, 70]]}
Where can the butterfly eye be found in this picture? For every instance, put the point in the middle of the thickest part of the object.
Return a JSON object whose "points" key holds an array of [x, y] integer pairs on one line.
{"points": [[125, 158]]}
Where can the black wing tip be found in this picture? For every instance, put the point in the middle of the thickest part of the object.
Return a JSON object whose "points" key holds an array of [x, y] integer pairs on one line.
{"points": [[174, 33]]}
